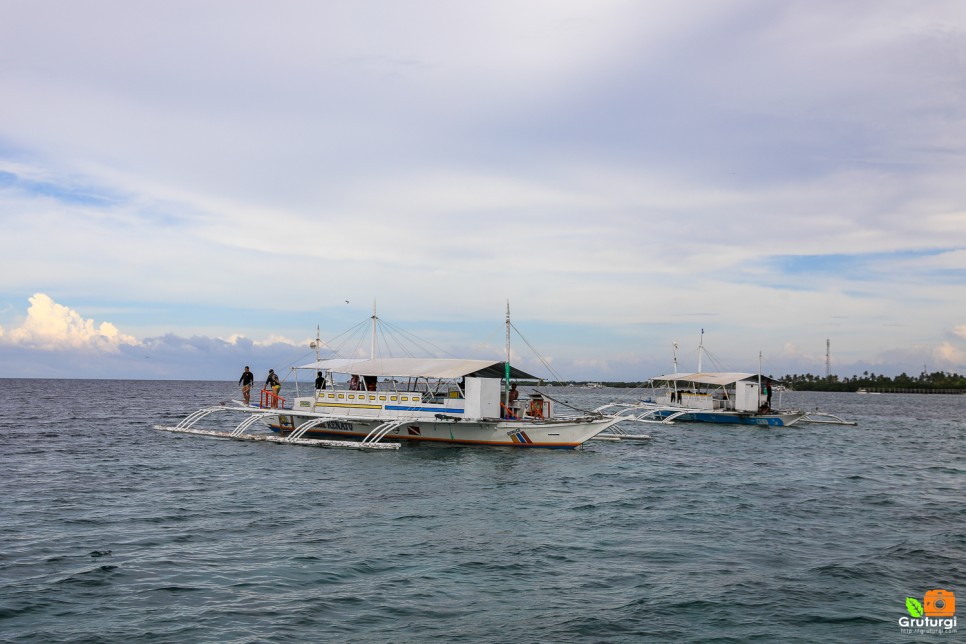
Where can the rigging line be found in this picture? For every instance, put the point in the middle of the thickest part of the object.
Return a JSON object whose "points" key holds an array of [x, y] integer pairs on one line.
{"points": [[382, 342], [360, 336], [690, 356], [385, 340], [715, 361], [421, 343], [391, 332], [381, 334], [289, 362], [536, 353], [567, 404], [337, 346], [493, 335]]}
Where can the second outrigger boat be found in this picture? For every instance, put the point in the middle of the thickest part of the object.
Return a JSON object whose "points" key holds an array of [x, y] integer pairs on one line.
{"points": [[447, 400], [716, 397]]}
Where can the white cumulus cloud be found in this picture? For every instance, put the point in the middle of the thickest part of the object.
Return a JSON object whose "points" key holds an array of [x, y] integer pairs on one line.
{"points": [[50, 325], [947, 354]]}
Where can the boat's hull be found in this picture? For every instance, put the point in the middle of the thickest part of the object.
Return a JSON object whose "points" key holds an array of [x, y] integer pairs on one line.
{"points": [[554, 434], [730, 418]]}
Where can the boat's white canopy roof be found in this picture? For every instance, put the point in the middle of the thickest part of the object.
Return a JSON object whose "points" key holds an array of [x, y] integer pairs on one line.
{"points": [[332, 364], [708, 377], [417, 367]]}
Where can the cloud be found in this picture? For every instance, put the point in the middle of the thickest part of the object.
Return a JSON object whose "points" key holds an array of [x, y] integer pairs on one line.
{"points": [[949, 355], [51, 326]]}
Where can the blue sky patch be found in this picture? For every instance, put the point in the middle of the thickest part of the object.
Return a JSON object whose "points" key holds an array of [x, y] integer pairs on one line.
{"points": [[70, 194]]}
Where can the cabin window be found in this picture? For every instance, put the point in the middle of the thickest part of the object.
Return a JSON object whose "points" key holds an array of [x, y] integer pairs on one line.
{"points": [[393, 397], [341, 396], [382, 397]]}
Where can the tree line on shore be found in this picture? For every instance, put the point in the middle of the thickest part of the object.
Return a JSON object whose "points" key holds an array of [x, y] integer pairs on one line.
{"points": [[936, 381]]}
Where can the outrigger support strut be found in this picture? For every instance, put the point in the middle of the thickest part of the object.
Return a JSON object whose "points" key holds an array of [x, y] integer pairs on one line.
{"points": [[380, 431], [820, 417], [194, 417], [646, 415], [245, 424], [238, 433], [306, 426]]}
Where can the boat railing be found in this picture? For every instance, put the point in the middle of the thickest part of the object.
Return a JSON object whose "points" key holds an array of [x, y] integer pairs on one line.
{"points": [[271, 400]]}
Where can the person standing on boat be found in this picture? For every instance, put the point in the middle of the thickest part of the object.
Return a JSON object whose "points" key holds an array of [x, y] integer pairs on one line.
{"points": [[272, 382], [246, 381], [512, 399], [320, 381]]}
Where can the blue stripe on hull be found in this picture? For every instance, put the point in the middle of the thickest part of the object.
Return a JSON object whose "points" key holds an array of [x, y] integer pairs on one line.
{"points": [[438, 410], [727, 419]]}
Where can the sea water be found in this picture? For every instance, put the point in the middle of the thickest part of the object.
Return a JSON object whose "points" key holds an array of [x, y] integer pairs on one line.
{"points": [[112, 531]]}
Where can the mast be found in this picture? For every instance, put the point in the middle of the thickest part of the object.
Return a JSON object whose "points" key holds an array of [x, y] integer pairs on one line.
{"points": [[317, 344], [700, 350], [506, 395], [759, 378], [674, 352], [372, 346]]}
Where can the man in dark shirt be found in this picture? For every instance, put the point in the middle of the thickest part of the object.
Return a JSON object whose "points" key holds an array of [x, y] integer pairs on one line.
{"points": [[320, 381], [246, 380]]}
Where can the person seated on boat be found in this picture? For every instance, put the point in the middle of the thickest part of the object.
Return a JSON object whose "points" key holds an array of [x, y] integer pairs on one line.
{"points": [[354, 383], [371, 382], [246, 381], [320, 381], [536, 406]]}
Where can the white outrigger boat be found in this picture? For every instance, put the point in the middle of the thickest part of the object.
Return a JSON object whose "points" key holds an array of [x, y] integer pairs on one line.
{"points": [[712, 397], [716, 397], [447, 400]]}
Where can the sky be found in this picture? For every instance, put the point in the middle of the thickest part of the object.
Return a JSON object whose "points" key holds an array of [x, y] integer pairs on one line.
{"points": [[190, 187]]}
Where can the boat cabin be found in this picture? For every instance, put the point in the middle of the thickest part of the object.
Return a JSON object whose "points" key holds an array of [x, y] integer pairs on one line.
{"points": [[419, 388], [714, 391]]}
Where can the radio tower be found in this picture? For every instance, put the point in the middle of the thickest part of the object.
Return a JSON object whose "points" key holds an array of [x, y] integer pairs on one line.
{"points": [[828, 360]]}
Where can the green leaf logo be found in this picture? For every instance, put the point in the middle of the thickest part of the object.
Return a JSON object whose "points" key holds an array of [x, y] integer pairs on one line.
{"points": [[914, 607]]}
